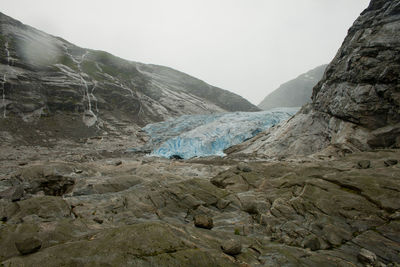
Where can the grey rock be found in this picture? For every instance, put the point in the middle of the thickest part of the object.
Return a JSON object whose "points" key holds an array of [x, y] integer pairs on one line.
{"points": [[397, 145], [232, 247], [325, 206], [45, 207], [203, 221], [336, 235], [395, 216], [312, 242], [243, 167], [78, 171], [222, 203], [146, 244], [53, 179], [28, 245], [14, 193], [366, 256], [391, 162], [98, 220], [364, 164]]}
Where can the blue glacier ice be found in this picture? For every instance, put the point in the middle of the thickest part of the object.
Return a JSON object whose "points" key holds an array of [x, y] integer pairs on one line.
{"points": [[209, 135]]}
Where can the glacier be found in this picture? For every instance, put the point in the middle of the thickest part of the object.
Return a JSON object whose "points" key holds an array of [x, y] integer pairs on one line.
{"points": [[191, 136]]}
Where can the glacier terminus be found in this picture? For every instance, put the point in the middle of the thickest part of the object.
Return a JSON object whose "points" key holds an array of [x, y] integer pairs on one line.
{"points": [[191, 136]]}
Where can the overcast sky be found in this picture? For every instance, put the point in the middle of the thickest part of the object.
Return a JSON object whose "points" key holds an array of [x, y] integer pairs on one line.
{"points": [[249, 47]]}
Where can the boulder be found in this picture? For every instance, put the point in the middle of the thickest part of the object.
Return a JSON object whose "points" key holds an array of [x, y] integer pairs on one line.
{"points": [[232, 247], [28, 245], [203, 221]]}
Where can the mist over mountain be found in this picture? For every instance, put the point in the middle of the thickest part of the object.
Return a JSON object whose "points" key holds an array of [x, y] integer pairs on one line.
{"points": [[294, 93], [48, 83], [355, 107]]}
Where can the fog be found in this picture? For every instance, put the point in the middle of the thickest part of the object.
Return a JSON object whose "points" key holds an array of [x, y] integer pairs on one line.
{"points": [[249, 47]]}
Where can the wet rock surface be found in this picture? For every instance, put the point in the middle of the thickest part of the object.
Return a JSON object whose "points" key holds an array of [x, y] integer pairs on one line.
{"points": [[302, 212]]}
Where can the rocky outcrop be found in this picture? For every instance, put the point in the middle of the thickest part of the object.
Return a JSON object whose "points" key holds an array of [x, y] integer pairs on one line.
{"points": [[356, 105], [294, 93], [207, 213], [50, 85]]}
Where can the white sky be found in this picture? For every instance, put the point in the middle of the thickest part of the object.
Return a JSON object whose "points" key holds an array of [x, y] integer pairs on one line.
{"points": [[249, 47]]}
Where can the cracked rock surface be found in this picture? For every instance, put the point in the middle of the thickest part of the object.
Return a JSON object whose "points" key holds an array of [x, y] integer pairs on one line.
{"points": [[142, 212]]}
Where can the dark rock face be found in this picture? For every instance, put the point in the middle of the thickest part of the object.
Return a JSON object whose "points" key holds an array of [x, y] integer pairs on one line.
{"points": [[51, 85], [361, 85], [356, 105], [294, 93]]}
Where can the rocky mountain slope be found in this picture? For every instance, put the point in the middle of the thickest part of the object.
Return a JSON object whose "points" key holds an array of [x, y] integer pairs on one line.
{"points": [[294, 93], [356, 105], [49, 83]]}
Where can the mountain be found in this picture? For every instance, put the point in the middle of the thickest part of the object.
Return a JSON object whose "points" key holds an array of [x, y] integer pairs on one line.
{"points": [[49, 83], [355, 107], [294, 93], [93, 203]]}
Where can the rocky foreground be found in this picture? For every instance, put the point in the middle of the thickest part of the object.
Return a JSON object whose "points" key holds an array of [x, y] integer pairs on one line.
{"points": [[91, 206]]}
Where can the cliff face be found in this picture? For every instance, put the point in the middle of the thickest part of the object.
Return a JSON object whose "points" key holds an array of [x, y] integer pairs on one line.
{"points": [[294, 93], [49, 83], [356, 105]]}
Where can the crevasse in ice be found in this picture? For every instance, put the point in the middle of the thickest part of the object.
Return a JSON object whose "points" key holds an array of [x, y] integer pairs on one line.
{"points": [[209, 135]]}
